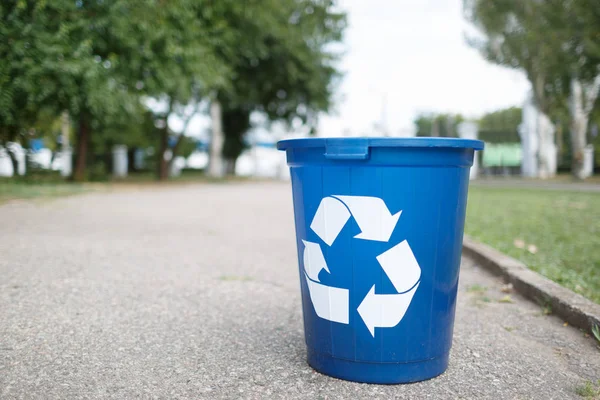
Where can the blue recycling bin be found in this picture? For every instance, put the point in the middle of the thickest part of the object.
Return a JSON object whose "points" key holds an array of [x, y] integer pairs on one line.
{"points": [[379, 229]]}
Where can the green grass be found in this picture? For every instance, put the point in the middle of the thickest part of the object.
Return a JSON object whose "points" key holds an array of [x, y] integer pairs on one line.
{"points": [[476, 289], [596, 332], [506, 299], [568, 178], [563, 226], [49, 184], [588, 390], [13, 190]]}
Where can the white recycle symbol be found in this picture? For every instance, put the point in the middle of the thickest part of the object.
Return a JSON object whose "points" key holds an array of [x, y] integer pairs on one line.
{"points": [[376, 223]]}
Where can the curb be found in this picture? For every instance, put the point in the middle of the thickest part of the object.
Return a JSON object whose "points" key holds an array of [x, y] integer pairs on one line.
{"points": [[568, 305]]}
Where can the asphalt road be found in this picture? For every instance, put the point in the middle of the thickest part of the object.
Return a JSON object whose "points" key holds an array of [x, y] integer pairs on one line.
{"points": [[192, 292]]}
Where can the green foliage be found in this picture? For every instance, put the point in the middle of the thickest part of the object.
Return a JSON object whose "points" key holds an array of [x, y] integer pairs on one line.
{"points": [[443, 125], [280, 54], [551, 41], [282, 61], [62, 55], [175, 56], [587, 390], [501, 126], [596, 332], [97, 59], [187, 146], [22, 49], [507, 119], [523, 34]]}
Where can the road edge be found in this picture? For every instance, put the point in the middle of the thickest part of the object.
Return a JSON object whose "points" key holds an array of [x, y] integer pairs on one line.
{"points": [[566, 304]]}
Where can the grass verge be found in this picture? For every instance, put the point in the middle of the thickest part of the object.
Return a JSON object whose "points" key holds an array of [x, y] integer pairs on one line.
{"points": [[555, 233]]}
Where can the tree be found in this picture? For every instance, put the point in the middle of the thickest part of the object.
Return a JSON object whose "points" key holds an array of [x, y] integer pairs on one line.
{"points": [[24, 36], [236, 122], [96, 58], [286, 67], [555, 43], [437, 125], [179, 65], [584, 73], [521, 34], [501, 126], [65, 55], [507, 119], [215, 167]]}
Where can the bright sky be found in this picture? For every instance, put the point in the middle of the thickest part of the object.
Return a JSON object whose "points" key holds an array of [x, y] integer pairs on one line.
{"points": [[413, 54]]}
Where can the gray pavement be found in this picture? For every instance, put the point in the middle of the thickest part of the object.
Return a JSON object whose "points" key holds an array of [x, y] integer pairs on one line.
{"points": [[192, 292]]}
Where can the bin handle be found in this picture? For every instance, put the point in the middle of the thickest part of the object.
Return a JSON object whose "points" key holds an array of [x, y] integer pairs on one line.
{"points": [[356, 151]]}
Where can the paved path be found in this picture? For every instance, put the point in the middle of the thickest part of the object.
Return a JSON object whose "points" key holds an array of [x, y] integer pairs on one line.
{"points": [[192, 292]]}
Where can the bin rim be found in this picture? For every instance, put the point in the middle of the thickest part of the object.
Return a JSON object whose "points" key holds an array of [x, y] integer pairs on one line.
{"points": [[416, 142]]}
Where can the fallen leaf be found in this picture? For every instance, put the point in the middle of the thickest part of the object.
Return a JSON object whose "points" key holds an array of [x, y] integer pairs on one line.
{"points": [[506, 299], [546, 310], [578, 205], [519, 243], [506, 288]]}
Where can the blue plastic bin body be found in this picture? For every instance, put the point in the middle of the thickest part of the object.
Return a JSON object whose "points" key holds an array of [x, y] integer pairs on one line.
{"points": [[379, 228]]}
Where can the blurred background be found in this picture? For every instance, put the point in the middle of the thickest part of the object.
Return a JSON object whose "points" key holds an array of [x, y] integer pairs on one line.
{"points": [[99, 89], [134, 91]]}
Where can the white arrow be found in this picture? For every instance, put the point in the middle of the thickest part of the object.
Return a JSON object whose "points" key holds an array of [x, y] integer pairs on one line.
{"points": [[314, 261], [330, 218], [401, 266], [384, 310], [372, 216], [376, 223], [330, 303]]}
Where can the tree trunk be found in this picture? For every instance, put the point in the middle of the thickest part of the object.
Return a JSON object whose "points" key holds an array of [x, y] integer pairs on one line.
{"points": [[541, 154], [236, 122], [559, 141], [581, 104], [163, 163], [13, 160], [175, 151], [64, 130], [83, 139], [215, 162], [546, 149], [230, 166], [578, 128], [131, 159]]}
